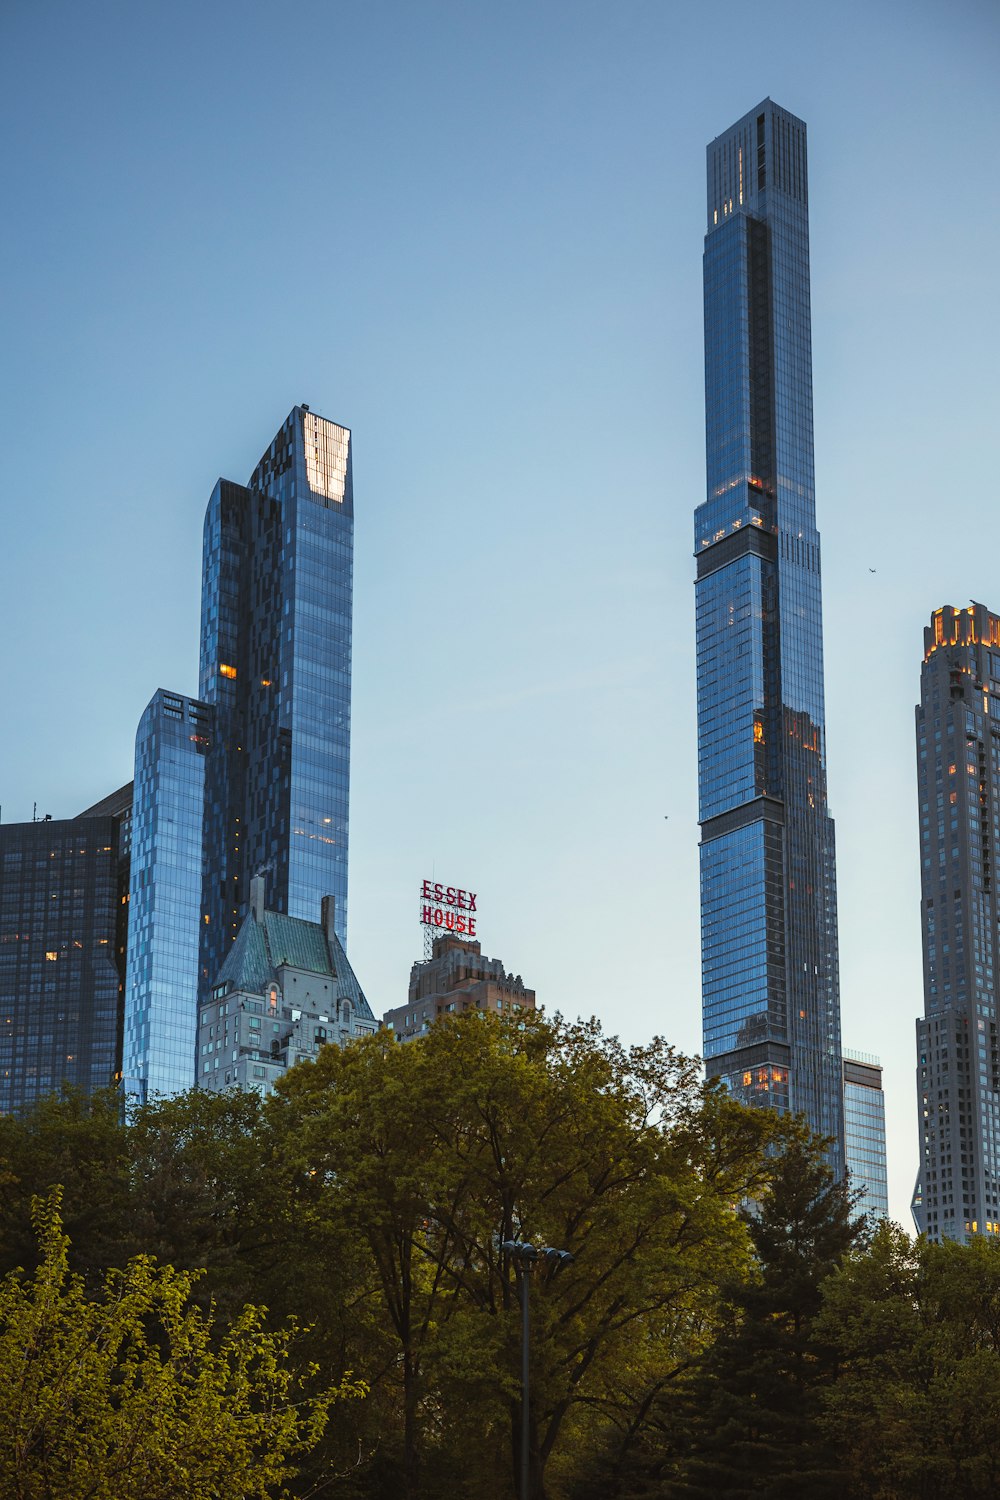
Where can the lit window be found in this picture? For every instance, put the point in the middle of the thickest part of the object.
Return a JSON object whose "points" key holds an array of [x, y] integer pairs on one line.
{"points": [[51, 956], [226, 671], [326, 447]]}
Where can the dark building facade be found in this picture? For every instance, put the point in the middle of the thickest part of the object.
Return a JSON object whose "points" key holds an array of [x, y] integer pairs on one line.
{"points": [[958, 1050], [63, 912], [254, 775], [770, 983]]}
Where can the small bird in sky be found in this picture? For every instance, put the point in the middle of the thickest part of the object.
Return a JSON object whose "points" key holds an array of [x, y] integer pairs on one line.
{"points": [[871, 570]]}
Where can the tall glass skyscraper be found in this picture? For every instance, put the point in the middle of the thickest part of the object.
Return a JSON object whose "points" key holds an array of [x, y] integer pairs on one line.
{"points": [[165, 890], [770, 986], [958, 1047], [276, 667], [254, 778]]}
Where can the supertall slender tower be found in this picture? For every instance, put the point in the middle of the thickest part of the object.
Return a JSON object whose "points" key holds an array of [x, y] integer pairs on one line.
{"points": [[770, 987], [958, 1048]]}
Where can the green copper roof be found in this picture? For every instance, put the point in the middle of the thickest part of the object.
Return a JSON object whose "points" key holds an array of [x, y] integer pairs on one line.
{"points": [[348, 987], [293, 941], [247, 966], [261, 948]]}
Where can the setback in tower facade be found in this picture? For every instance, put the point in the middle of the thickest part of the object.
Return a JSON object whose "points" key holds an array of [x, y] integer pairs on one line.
{"points": [[253, 777], [770, 985], [958, 1051]]}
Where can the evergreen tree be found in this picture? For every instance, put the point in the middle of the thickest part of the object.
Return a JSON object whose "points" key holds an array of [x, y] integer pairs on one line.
{"points": [[757, 1398], [742, 1419], [915, 1412]]}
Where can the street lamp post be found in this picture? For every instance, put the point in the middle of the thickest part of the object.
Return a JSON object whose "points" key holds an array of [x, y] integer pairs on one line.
{"points": [[526, 1257]]}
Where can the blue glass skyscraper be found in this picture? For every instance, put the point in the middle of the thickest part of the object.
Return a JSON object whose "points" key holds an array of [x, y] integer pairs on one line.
{"points": [[864, 1133], [165, 889], [770, 987], [265, 769], [276, 667]]}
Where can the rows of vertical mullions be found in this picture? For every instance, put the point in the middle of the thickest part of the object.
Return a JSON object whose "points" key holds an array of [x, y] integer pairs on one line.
{"points": [[265, 770], [958, 1048], [770, 980], [62, 914]]}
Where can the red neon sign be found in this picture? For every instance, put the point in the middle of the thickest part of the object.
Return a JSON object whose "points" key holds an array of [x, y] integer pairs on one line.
{"points": [[447, 907]]}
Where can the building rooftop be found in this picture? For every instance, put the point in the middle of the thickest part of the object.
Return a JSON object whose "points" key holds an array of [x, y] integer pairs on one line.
{"points": [[269, 941]]}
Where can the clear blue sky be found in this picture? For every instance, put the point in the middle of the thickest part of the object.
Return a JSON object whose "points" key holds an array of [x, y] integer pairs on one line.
{"points": [[473, 234]]}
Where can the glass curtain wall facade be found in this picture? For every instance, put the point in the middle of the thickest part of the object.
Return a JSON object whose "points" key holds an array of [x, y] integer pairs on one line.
{"points": [[253, 780], [958, 1050], [63, 890], [165, 916], [770, 984], [276, 667], [864, 1133]]}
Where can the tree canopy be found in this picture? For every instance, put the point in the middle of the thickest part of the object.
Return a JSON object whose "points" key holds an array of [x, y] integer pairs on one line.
{"points": [[915, 1412], [128, 1396], [724, 1326], [435, 1154]]}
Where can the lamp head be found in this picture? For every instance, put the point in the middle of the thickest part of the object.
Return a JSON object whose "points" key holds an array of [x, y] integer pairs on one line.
{"points": [[557, 1258]]}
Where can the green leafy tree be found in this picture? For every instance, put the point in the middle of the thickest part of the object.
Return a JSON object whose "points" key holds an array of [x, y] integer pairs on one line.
{"points": [[491, 1129], [80, 1142], [206, 1194], [743, 1418], [915, 1412], [129, 1396]]}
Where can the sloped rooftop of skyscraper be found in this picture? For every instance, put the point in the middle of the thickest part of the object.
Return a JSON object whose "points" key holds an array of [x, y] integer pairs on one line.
{"points": [[274, 941]]}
